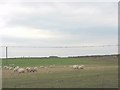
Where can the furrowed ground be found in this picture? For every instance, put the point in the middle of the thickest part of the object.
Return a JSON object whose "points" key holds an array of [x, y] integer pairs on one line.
{"points": [[99, 72]]}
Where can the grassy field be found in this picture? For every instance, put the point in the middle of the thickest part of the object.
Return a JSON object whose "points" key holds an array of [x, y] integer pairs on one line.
{"points": [[99, 72]]}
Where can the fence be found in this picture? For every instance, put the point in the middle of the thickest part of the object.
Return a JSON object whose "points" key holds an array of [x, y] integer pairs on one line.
{"points": [[62, 51]]}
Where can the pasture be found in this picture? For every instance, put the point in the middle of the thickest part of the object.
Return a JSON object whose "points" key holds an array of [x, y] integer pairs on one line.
{"points": [[99, 72]]}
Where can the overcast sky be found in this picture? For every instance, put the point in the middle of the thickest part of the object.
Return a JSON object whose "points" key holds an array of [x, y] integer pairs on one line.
{"points": [[58, 23]]}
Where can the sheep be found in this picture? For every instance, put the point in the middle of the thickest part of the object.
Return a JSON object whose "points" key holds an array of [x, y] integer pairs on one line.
{"points": [[28, 69], [16, 68], [81, 67], [11, 65], [78, 66], [52, 66], [41, 66], [10, 68], [4, 67], [34, 69], [21, 70], [75, 66]]}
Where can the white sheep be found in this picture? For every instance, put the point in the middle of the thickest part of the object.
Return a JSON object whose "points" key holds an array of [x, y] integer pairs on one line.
{"points": [[52, 66], [21, 70], [75, 66], [4, 67], [78, 66], [10, 68], [81, 67], [16, 68], [34, 69], [28, 69], [41, 66], [7, 67], [11, 64]]}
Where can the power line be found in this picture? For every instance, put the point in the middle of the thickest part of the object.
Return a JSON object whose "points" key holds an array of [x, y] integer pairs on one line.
{"points": [[60, 46]]}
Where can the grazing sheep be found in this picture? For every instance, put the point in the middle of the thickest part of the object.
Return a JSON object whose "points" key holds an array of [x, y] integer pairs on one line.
{"points": [[28, 69], [52, 66], [10, 68], [16, 68], [75, 66], [78, 66], [21, 70], [81, 67], [34, 69], [4, 67], [11, 65], [41, 66]]}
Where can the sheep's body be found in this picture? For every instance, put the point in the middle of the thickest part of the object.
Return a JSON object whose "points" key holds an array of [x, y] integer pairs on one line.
{"points": [[34, 69], [21, 70], [11, 65], [81, 67], [4, 67], [75, 66], [28, 69], [52, 66], [16, 68], [41, 66], [10, 68], [78, 66]]}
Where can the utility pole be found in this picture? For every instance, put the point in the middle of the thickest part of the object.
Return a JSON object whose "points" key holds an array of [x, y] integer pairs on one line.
{"points": [[6, 52]]}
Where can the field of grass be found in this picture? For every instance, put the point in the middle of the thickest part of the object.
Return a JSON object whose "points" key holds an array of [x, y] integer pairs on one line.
{"points": [[99, 72]]}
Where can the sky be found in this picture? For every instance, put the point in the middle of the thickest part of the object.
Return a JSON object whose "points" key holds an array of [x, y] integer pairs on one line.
{"points": [[58, 23]]}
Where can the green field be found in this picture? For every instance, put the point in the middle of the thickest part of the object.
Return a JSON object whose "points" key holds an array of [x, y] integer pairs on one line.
{"points": [[99, 72]]}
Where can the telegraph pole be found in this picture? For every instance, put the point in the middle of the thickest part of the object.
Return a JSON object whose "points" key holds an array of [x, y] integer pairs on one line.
{"points": [[6, 52]]}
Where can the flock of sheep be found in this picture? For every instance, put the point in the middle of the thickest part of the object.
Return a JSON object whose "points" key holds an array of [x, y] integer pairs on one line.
{"points": [[20, 70], [35, 69]]}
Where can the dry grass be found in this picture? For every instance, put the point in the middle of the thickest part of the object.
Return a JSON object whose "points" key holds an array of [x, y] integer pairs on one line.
{"points": [[96, 74]]}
